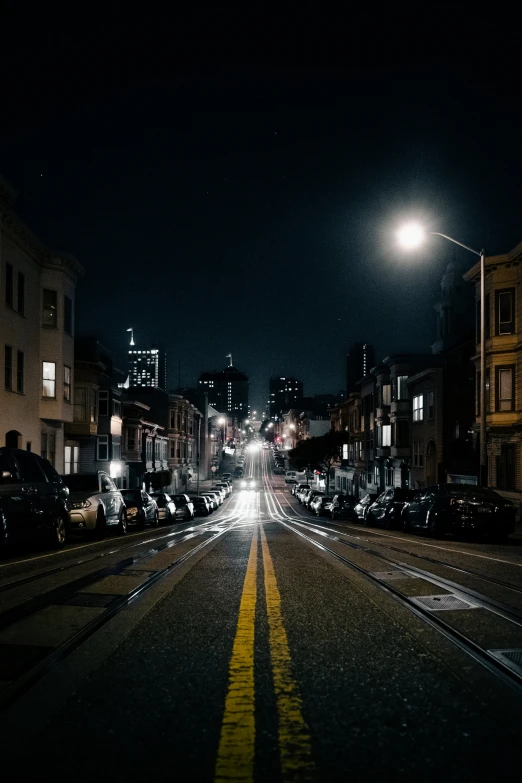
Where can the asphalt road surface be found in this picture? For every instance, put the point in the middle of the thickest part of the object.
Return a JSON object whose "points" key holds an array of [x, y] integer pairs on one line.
{"points": [[262, 643]]}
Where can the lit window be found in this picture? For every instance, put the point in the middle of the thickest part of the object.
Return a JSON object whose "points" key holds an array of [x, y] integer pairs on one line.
{"points": [[418, 407], [66, 383], [48, 379], [386, 435]]}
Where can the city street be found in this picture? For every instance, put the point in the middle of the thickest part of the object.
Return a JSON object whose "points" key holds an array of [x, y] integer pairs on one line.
{"points": [[263, 643]]}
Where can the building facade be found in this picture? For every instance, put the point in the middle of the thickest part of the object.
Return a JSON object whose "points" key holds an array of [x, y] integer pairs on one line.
{"points": [[186, 431], [147, 367], [37, 303], [227, 391], [503, 326], [284, 393]]}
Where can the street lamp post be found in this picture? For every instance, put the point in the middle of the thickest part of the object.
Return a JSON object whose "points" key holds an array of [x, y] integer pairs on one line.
{"points": [[411, 236]]}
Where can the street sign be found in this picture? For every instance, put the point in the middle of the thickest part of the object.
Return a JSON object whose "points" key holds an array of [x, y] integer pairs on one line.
{"points": [[213, 468]]}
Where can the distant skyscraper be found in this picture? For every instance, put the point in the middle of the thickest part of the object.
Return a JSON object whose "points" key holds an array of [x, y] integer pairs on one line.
{"points": [[227, 391], [284, 393], [359, 361], [147, 367]]}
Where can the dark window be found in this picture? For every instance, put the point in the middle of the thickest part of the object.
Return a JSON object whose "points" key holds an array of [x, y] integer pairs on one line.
{"points": [[505, 388], [66, 383], [506, 477], [103, 403], [403, 433], [31, 469], [21, 293], [9, 285], [50, 308], [505, 311], [8, 365], [67, 315], [431, 404], [20, 362]]}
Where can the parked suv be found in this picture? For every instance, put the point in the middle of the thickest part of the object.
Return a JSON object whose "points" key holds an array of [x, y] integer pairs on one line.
{"points": [[95, 503], [33, 498], [386, 511], [343, 506], [141, 507], [451, 508]]}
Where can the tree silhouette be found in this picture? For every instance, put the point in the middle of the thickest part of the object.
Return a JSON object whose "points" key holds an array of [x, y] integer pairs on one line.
{"points": [[319, 453]]}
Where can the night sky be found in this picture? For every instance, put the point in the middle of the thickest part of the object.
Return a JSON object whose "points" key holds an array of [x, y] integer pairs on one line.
{"points": [[221, 207]]}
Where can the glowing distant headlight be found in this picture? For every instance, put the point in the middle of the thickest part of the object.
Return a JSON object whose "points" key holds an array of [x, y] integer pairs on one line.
{"points": [[243, 485], [252, 484], [81, 504]]}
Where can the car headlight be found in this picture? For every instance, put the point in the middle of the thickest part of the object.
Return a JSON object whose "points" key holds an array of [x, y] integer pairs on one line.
{"points": [[81, 504], [252, 484], [243, 484]]}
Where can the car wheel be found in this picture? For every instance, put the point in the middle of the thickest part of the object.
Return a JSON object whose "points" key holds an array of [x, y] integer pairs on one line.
{"points": [[101, 524], [155, 519], [141, 521], [122, 523], [406, 524], [434, 526], [4, 534], [370, 520], [60, 530]]}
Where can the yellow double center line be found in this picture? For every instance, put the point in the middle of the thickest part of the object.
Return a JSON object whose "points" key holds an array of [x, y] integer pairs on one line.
{"points": [[236, 753]]}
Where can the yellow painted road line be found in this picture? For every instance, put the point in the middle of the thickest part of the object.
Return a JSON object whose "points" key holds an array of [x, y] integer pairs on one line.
{"points": [[294, 738], [235, 758]]}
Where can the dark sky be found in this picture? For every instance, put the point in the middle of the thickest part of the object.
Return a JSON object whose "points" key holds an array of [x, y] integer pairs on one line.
{"points": [[246, 201]]}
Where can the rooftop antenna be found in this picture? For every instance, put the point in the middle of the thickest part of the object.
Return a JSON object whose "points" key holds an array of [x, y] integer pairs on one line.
{"points": [[229, 356], [131, 330]]}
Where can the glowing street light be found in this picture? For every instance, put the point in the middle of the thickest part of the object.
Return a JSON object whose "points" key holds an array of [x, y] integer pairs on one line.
{"points": [[412, 235]]}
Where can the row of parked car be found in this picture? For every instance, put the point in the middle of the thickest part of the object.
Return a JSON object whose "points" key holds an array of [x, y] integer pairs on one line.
{"points": [[439, 510], [279, 462], [37, 502]]}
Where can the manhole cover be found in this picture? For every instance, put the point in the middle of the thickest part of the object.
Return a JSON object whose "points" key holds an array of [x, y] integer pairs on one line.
{"points": [[391, 576], [511, 658], [438, 603]]}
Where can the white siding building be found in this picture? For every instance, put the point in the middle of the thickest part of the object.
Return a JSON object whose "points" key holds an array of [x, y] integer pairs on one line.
{"points": [[37, 291]]}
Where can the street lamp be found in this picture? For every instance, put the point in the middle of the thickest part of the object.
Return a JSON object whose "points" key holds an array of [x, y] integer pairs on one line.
{"points": [[412, 235]]}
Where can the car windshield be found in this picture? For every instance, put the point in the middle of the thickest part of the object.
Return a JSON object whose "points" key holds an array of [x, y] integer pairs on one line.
{"points": [[78, 482], [131, 495]]}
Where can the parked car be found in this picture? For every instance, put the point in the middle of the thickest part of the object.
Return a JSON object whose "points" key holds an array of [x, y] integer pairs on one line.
{"points": [[319, 504], [290, 477], [310, 495], [343, 506], [166, 506], [361, 508], [95, 503], [298, 487], [225, 486], [302, 493], [202, 505], [33, 499], [141, 507], [220, 491], [238, 472], [450, 508], [215, 497], [386, 510], [226, 475], [184, 506]]}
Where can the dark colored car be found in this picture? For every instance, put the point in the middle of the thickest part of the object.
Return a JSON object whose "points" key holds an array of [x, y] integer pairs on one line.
{"points": [[202, 505], [238, 472], [310, 495], [141, 507], [319, 504], [33, 499], [298, 487], [361, 508], [386, 511], [450, 508], [278, 471], [343, 507], [166, 506]]}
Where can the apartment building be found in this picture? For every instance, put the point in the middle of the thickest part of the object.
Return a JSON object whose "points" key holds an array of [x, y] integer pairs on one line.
{"points": [[37, 302]]}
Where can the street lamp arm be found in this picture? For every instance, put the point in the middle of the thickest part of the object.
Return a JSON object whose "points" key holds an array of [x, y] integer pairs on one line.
{"points": [[445, 236]]}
